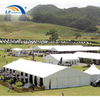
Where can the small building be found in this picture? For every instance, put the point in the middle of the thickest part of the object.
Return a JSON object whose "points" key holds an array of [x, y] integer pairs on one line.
{"points": [[49, 75], [66, 59]]}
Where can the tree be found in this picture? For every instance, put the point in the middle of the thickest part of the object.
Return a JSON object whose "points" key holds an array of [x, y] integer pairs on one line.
{"points": [[88, 61], [7, 17], [77, 35], [23, 17], [54, 35], [38, 17]]}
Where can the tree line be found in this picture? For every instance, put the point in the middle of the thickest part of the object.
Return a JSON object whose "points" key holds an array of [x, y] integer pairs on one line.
{"points": [[84, 19]]}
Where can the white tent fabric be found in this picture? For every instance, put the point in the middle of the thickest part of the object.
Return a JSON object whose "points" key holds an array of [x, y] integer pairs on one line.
{"points": [[55, 58], [17, 49], [90, 48], [34, 68], [88, 55], [94, 72], [67, 48], [61, 48], [42, 47], [54, 76], [28, 49]]}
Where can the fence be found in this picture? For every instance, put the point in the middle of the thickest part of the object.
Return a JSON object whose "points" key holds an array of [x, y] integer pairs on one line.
{"points": [[19, 90]]}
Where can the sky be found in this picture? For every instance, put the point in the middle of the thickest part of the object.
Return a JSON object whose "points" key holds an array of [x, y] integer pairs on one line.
{"points": [[59, 3]]}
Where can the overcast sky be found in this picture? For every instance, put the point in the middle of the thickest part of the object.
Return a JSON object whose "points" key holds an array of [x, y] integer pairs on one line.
{"points": [[59, 3]]}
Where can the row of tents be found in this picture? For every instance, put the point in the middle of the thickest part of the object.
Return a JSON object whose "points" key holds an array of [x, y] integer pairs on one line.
{"points": [[53, 76]]}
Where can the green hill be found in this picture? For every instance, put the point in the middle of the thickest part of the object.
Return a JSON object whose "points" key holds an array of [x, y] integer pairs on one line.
{"points": [[46, 9], [31, 30], [81, 18]]}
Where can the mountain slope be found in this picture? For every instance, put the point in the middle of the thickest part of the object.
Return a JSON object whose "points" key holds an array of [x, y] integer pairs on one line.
{"points": [[44, 9], [31, 30], [82, 18]]}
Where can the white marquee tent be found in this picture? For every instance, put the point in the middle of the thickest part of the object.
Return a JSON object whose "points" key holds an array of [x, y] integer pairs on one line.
{"points": [[17, 49], [90, 48], [94, 72], [66, 48], [88, 55], [63, 48], [42, 47], [58, 47], [18, 52], [54, 76], [55, 58]]}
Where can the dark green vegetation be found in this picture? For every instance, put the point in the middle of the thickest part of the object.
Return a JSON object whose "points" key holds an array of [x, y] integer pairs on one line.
{"points": [[53, 35], [81, 18], [84, 19]]}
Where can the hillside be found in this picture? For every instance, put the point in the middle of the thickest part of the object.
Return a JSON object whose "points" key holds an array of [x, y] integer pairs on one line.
{"points": [[44, 9], [82, 18], [37, 31], [31, 30]]}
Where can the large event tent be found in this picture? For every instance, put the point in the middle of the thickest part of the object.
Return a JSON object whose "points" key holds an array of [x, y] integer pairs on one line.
{"points": [[54, 76], [58, 47], [42, 47], [88, 55], [68, 48], [90, 48], [19, 52], [55, 58], [94, 56], [17, 49], [94, 72]]}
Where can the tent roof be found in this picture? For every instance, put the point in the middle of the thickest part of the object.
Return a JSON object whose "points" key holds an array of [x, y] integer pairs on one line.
{"points": [[42, 47], [64, 57], [66, 48], [87, 55], [56, 47], [17, 49], [74, 48], [34, 68], [93, 70], [43, 69], [90, 48], [28, 49]]}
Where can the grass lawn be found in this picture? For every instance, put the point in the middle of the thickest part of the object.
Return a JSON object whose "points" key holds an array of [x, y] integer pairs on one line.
{"points": [[75, 91], [23, 46]]}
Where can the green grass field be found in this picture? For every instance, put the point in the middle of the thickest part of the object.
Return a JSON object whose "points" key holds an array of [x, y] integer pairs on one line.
{"points": [[75, 91], [30, 30]]}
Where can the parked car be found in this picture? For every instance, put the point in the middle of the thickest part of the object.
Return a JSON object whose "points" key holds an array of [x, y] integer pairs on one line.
{"points": [[96, 83], [66, 63], [27, 85]]}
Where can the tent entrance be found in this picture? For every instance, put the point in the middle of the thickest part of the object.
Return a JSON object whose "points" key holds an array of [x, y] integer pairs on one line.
{"points": [[50, 84], [31, 79], [35, 81], [41, 82]]}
